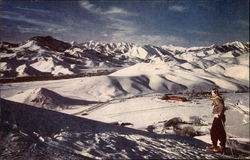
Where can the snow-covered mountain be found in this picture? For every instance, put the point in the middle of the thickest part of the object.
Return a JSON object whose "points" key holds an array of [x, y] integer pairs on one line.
{"points": [[155, 68], [41, 56]]}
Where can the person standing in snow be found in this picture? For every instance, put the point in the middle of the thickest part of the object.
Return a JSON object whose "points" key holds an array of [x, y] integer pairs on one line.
{"points": [[217, 131]]}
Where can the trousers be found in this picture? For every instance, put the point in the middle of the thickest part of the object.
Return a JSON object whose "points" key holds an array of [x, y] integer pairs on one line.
{"points": [[218, 131]]}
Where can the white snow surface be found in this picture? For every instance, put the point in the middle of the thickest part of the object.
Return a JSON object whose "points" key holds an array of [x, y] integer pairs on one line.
{"points": [[132, 94], [141, 110], [137, 105], [205, 64], [80, 138]]}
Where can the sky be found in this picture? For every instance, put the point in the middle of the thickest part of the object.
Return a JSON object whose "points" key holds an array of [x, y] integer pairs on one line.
{"points": [[183, 23]]}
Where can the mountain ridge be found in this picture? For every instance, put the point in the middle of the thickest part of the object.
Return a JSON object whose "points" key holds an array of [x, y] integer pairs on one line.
{"points": [[43, 41], [42, 56]]}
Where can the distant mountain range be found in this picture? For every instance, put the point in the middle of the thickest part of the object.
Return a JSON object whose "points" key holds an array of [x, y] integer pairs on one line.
{"points": [[45, 56]]}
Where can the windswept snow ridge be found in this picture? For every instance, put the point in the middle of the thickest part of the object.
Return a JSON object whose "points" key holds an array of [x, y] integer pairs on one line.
{"points": [[45, 98]]}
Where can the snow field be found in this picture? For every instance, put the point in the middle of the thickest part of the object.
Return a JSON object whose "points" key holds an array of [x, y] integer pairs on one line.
{"points": [[132, 94]]}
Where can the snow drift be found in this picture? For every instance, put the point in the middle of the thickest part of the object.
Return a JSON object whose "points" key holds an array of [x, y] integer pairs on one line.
{"points": [[45, 98]]}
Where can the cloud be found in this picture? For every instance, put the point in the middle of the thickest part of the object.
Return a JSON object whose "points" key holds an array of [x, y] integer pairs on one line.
{"points": [[86, 5], [244, 23], [121, 25], [28, 20], [122, 29], [177, 8], [97, 10], [120, 11], [199, 32], [162, 39], [150, 39], [4, 27], [104, 34], [8, 13], [117, 26], [40, 26], [90, 7], [53, 30], [33, 10], [29, 29]]}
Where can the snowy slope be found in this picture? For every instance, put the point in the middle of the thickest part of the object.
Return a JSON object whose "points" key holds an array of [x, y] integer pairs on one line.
{"points": [[53, 135], [143, 111], [45, 98], [162, 77]]}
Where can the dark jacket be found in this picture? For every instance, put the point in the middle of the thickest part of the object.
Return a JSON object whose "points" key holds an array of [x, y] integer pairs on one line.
{"points": [[218, 105]]}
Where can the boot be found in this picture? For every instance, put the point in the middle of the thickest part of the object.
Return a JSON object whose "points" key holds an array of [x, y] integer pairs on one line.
{"points": [[211, 147], [219, 149]]}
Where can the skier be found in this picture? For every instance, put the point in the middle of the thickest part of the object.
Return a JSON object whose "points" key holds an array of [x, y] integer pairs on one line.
{"points": [[217, 131]]}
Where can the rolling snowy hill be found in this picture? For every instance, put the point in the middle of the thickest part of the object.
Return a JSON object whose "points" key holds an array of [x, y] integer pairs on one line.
{"points": [[147, 67]]}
